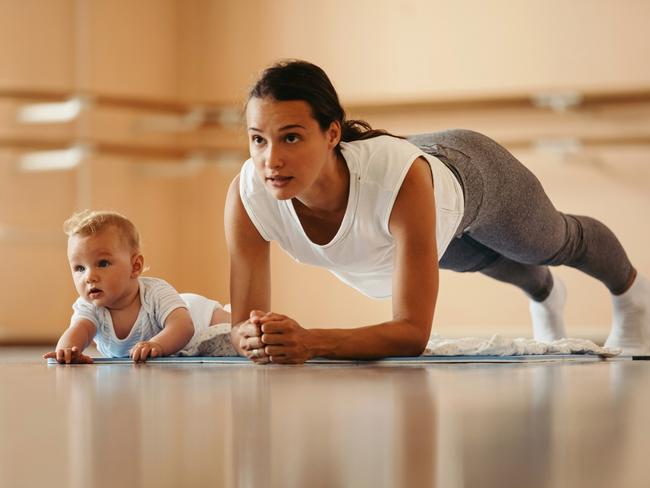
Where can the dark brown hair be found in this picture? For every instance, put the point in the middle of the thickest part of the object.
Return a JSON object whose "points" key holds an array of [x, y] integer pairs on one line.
{"points": [[300, 80]]}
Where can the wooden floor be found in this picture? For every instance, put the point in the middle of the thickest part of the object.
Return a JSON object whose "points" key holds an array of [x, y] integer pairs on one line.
{"points": [[169, 425]]}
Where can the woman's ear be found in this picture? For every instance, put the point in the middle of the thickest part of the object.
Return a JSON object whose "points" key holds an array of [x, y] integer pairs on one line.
{"points": [[137, 265], [334, 134]]}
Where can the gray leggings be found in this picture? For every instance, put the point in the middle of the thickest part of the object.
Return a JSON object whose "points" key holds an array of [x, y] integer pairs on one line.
{"points": [[510, 230]]}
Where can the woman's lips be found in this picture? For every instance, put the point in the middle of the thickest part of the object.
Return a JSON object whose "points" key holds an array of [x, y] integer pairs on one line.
{"points": [[279, 181]]}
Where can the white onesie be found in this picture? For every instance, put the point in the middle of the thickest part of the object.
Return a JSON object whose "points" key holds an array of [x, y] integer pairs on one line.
{"points": [[158, 299]]}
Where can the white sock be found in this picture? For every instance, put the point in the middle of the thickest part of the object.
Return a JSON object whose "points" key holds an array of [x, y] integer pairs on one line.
{"points": [[631, 319], [548, 315]]}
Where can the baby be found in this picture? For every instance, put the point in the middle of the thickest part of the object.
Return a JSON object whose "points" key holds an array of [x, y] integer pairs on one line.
{"points": [[124, 313]]}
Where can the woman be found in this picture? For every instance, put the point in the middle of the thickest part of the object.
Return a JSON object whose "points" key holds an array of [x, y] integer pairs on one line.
{"points": [[383, 213]]}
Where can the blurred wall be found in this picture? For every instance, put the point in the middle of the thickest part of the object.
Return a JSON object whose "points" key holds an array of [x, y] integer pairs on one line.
{"points": [[161, 84]]}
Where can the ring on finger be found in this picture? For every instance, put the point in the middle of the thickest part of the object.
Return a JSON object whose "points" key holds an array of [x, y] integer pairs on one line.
{"points": [[255, 353]]}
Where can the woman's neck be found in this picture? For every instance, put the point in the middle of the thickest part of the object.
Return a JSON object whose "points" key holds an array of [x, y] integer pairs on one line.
{"points": [[329, 193]]}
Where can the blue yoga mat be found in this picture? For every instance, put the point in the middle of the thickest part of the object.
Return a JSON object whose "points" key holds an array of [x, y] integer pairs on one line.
{"points": [[392, 360]]}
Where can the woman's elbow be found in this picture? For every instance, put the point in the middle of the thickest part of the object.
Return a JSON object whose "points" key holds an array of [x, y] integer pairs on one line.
{"points": [[418, 348], [417, 341]]}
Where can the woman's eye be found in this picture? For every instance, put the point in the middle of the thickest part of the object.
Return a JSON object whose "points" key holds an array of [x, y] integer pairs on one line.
{"points": [[104, 263], [78, 269], [292, 138], [257, 140]]}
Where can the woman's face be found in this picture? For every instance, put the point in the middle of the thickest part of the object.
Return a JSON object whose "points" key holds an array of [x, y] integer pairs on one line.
{"points": [[288, 147]]}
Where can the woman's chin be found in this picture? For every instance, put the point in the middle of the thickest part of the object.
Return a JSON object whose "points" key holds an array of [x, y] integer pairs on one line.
{"points": [[282, 193]]}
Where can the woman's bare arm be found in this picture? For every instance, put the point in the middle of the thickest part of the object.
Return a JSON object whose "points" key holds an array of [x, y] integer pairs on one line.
{"points": [[250, 272]]}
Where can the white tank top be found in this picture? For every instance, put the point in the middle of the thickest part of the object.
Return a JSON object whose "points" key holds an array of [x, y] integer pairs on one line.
{"points": [[361, 252]]}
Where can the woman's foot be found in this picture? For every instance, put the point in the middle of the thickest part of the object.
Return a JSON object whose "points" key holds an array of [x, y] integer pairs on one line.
{"points": [[548, 315], [631, 319]]}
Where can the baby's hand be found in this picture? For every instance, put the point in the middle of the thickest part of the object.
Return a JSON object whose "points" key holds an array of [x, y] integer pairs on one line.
{"points": [[144, 349], [69, 355]]}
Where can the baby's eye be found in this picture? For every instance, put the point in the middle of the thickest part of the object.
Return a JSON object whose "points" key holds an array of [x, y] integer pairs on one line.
{"points": [[292, 138], [79, 269], [104, 263]]}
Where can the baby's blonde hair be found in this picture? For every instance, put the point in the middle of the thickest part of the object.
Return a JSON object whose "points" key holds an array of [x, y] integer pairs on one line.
{"points": [[90, 222]]}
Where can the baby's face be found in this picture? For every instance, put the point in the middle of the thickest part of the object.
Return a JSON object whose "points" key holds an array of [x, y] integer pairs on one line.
{"points": [[103, 268]]}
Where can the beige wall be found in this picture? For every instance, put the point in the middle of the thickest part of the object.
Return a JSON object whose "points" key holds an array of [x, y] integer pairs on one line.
{"points": [[29, 30], [397, 50], [394, 62]]}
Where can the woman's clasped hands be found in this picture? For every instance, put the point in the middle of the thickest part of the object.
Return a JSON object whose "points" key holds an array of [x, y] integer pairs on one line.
{"points": [[268, 337]]}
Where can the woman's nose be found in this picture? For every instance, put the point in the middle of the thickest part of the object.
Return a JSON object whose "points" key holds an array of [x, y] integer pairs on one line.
{"points": [[274, 158]]}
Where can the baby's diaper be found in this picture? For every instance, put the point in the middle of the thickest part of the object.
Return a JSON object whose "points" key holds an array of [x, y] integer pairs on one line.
{"points": [[213, 341], [201, 310]]}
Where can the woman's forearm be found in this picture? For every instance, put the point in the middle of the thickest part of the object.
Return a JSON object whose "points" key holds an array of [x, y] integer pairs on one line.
{"points": [[394, 338]]}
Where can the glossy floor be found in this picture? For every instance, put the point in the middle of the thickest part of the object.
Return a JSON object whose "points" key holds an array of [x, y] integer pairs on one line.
{"points": [[170, 425]]}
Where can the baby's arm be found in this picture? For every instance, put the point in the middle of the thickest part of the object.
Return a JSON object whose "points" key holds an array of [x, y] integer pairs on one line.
{"points": [[177, 332], [72, 343]]}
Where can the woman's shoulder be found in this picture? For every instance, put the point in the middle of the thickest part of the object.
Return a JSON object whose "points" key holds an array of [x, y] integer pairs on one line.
{"points": [[248, 186], [385, 141], [381, 160], [247, 170], [384, 148], [260, 206]]}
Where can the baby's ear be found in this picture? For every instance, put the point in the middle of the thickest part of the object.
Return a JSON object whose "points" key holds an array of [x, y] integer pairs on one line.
{"points": [[137, 265]]}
